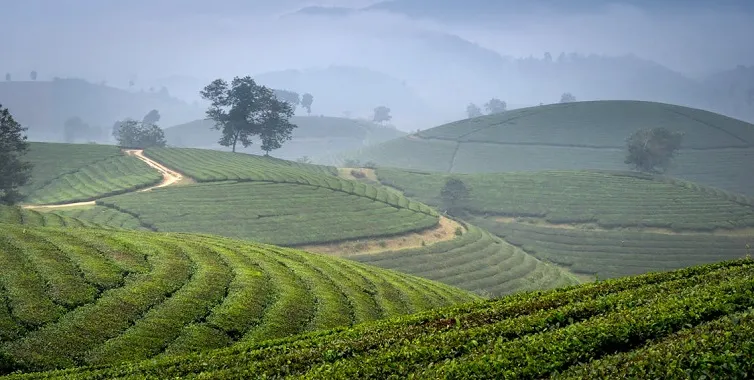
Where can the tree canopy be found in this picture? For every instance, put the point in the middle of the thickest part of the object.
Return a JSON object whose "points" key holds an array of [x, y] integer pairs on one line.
{"points": [[134, 134], [152, 117], [75, 128], [651, 150], [567, 97], [306, 102], [381, 114], [244, 109], [14, 172], [454, 195], [496, 105], [290, 97], [473, 110]]}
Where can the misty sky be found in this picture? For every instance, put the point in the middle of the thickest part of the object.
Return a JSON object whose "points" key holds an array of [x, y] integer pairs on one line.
{"points": [[115, 40]]}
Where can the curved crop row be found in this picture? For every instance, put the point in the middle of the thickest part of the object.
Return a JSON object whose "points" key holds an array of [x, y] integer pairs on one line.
{"points": [[211, 166], [476, 261], [609, 200], [114, 175], [102, 216], [85, 296], [17, 215], [619, 253], [609, 329], [276, 213]]}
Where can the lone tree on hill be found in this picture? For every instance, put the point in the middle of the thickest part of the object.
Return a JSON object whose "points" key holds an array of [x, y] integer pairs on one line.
{"points": [[496, 105], [306, 102], [7, 77], [245, 109], [651, 150], [14, 173], [33, 75], [454, 195], [152, 117], [473, 110], [567, 97], [381, 114], [134, 134]]}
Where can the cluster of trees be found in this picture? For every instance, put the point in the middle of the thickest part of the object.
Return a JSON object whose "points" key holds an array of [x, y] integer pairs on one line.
{"points": [[243, 109], [295, 100], [14, 172], [32, 76], [140, 134], [493, 106], [567, 97]]}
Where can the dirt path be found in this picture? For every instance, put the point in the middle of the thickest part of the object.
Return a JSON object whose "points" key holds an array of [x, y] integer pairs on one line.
{"points": [[169, 177], [445, 230]]}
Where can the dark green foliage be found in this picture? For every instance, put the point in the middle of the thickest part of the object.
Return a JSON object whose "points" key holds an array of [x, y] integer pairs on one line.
{"points": [[134, 134], [152, 117], [454, 195], [14, 171], [245, 109], [651, 150], [381, 114]]}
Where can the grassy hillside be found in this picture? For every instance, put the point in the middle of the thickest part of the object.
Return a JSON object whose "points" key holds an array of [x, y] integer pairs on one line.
{"points": [[475, 261], [84, 296], [716, 150], [692, 323], [66, 173], [315, 136], [599, 223], [16, 215]]}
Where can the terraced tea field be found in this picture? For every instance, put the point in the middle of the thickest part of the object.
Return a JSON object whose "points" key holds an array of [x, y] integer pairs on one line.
{"points": [[691, 323], [93, 297], [15, 215], [604, 199], [102, 216], [716, 150], [476, 261], [285, 214], [67, 173]]}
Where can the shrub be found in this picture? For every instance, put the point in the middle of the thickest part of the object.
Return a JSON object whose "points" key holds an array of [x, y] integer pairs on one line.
{"points": [[358, 174]]}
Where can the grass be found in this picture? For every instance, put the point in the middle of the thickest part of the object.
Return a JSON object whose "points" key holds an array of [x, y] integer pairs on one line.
{"points": [[33, 218], [692, 323], [476, 261], [287, 214], [65, 173], [74, 297], [716, 151], [603, 199]]}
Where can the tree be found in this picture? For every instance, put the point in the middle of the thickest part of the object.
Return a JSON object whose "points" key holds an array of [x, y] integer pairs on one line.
{"points": [[567, 97], [33, 75], [651, 150], [7, 77], [152, 117], [473, 110], [290, 97], [496, 105], [245, 109], [14, 172], [74, 128], [454, 195], [381, 114], [134, 134], [306, 101]]}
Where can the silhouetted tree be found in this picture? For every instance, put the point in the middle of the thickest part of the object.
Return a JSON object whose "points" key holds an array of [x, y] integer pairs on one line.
{"points": [[152, 117], [454, 195], [473, 110], [33, 75], [14, 172], [306, 101], [651, 150], [381, 114], [245, 109], [75, 128], [496, 105], [548, 57], [291, 97], [7, 77], [134, 134], [567, 97]]}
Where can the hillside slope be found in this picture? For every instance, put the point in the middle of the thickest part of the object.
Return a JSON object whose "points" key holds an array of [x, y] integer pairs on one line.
{"points": [[692, 323], [89, 296], [315, 136], [716, 150]]}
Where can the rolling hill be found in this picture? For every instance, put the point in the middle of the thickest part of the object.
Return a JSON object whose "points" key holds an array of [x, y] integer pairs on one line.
{"points": [[65, 173], [89, 296], [598, 223], [716, 151], [315, 136], [692, 323]]}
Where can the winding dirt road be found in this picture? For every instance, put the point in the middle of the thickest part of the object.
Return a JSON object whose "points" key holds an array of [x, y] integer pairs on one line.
{"points": [[169, 177]]}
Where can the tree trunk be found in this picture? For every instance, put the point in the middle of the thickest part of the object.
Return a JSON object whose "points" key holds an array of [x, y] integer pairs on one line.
{"points": [[235, 140]]}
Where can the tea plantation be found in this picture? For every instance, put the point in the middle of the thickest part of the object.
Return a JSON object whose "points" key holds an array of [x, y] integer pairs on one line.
{"points": [[66, 173], [16, 215], [691, 323], [91, 297], [716, 150], [476, 261]]}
